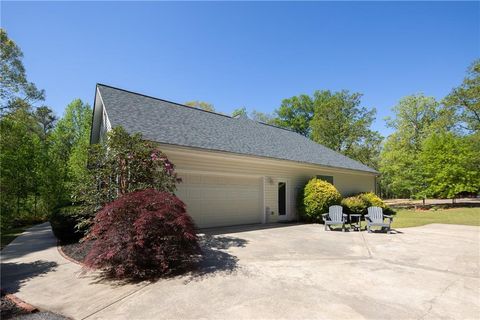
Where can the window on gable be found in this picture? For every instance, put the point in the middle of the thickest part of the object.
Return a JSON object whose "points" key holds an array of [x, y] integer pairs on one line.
{"points": [[329, 179]]}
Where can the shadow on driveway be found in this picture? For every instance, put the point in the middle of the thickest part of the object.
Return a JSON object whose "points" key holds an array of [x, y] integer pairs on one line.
{"points": [[35, 239], [14, 275], [14, 271], [215, 259]]}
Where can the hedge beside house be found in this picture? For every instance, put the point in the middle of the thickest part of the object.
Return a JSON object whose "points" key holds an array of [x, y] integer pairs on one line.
{"points": [[318, 196], [354, 205], [359, 204]]}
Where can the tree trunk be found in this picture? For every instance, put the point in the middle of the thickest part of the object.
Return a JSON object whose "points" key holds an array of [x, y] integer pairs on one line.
{"points": [[35, 205]]}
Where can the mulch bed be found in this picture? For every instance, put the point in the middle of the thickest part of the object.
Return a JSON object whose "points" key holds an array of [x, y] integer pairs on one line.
{"points": [[76, 251], [9, 309], [41, 316]]}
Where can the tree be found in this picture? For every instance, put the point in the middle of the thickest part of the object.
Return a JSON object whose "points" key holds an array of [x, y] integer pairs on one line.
{"points": [[46, 119], [24, 144], [415, 118], [398, 167], [240, 112], [450, 165], [340, 123], [254, 115], [17, 160], [125, 163], [263, 117], [13, 81], [465, 99], [334, 119], [201, 105], [45, 174], [296, 113], [70, 142], [38, 160], [75, 123]]}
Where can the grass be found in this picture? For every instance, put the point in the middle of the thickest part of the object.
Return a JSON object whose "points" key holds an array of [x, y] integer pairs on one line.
{"points": [[9, 235], [410, 218]]}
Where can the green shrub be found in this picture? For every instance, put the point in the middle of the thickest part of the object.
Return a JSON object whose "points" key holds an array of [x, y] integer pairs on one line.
{"points": [[359, 204], [64, 221], [25, 219], [354, 205], [372, 200], [318, 195], [389, 211]]}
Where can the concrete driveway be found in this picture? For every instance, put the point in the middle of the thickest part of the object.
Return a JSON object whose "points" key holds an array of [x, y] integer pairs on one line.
{"points": [[282, 271]]}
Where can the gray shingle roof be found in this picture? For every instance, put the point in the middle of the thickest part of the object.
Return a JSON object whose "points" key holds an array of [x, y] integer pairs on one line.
{"points": [[167, 122]]}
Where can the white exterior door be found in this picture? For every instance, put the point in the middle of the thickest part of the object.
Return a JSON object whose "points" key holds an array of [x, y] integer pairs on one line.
{"points": [[220, 200]]}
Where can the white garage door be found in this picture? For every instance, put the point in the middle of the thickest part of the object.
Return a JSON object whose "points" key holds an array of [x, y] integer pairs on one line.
{"points": [[221, 200]]}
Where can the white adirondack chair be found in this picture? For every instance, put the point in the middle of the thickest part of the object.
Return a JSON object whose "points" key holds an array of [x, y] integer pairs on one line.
{"points": [[336, 216], [376, 218]]}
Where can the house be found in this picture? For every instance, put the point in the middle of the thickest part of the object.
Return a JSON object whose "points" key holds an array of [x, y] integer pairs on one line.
{"points": [[234, 170]]}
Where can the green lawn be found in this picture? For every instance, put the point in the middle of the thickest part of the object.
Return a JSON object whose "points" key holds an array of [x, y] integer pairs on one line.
{"points": [[7, 236], [411, 218]]}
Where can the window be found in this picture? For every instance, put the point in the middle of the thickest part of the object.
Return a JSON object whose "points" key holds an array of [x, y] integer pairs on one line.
{"points": [[329, 179], [282, 198]]}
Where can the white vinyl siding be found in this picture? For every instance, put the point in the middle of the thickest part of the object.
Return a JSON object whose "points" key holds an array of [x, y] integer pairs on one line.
{"points": [[101, 123], [105, 126]]}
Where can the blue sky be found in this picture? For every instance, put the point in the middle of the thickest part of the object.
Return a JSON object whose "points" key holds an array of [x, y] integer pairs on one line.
{"points": [[249, 54]]}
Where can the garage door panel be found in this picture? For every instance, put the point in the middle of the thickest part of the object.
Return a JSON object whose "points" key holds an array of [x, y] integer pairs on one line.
{"points": [[221, 200]]}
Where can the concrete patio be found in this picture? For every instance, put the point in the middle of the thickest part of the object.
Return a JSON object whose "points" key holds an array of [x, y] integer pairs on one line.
{"points": [[281, 271]]}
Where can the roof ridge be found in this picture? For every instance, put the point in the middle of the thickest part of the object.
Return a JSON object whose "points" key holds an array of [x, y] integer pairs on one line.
{"points": [[159, 99], [274, 126], [190, 107]]}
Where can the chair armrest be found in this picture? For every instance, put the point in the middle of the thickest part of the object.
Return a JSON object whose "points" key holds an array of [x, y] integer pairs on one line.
{"points": [[367, 217], [388, 217], [324, 216]]}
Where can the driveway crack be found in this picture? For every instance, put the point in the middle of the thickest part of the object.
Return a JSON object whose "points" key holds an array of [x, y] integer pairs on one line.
{"points": [[366, 246], [415, 266], [116, 301], [432, 301]]}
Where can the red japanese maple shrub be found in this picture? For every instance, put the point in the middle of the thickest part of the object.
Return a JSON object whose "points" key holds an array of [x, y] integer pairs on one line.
{"points": [[143, 235]]}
